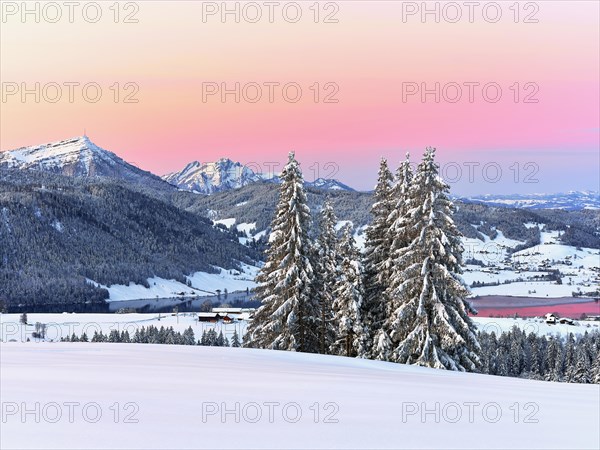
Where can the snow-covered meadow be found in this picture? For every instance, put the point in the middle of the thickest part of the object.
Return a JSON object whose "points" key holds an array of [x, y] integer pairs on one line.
{"points": [[202, 284], [580, 267], [78, 395]]}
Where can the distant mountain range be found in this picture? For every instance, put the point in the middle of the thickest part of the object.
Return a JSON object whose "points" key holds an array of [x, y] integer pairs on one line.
{"points": [[80, 157], [225, 174], [573, 200]]}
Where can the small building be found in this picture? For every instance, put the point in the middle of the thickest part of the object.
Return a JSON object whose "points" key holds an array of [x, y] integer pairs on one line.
{"points": [[208, 317], [235, 314], [551, 319], [566, 321], [225, 318], [214, 317]]}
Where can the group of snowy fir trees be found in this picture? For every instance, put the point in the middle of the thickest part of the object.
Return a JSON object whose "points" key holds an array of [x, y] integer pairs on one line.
{"points": [[154, 335], [402, 300]]}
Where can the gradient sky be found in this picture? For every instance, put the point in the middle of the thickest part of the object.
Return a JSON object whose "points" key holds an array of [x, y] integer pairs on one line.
{"points": [[369, 54]]}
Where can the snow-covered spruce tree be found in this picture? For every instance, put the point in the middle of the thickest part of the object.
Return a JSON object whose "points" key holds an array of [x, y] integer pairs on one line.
{"points": [[516, 352], [582, 370], [553, 353], [431, 326], [289, 316], [235, 340], [351, 337], [595, 377], [398, 238], [376, 255], [400, 193], [188, 336], [326, 274], [534, 364]]}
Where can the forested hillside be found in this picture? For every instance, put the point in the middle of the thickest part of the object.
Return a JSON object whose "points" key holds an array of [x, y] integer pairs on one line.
{"points": [[255, 203], [56, 232]]}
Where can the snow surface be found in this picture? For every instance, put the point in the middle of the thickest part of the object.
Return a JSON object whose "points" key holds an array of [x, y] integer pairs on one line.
{"points": [[244, 227], [54, 153], [63, 325], [227, 222], [166, 396], [342, 223], [525, 289], [490, 250], [534, 325], [247, 228], [202, 284]]}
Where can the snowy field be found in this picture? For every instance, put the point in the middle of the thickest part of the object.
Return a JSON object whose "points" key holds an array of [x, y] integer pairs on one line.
{"points": [[580, 267], [202, 284], [64, 325], [153, 396]]}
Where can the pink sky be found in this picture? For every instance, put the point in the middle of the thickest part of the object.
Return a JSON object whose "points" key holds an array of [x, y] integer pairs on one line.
{"points": [[368, 54]]}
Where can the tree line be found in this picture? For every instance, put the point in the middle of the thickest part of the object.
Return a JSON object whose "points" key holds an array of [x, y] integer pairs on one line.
{"points": [[575, 359], [162, 335]]}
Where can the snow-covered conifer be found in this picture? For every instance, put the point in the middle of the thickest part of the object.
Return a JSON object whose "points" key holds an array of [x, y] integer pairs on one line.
{"points": [[325, 274], [289, 316], [553, 353], [351, 337], [582, 368], [398, 238], [431, 327], [376, 254], [595, 377], [235, 340]]}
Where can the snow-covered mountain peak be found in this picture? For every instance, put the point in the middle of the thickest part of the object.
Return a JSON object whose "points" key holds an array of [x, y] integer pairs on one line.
{"points": [[211, 177], [225, 174], [54, 153], [77, 157], [329, 184]]}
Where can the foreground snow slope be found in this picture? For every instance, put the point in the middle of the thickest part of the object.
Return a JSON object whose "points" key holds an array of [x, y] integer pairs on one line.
{"points": [[361, 404]]}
